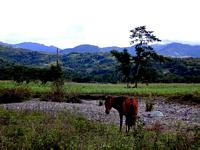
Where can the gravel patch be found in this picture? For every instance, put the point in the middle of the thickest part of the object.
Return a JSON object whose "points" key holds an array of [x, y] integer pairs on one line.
{"points": [[174, 114]]}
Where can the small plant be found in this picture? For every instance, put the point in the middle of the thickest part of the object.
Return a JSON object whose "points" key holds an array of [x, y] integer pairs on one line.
{"points": [[149, 104], [100, 103]]}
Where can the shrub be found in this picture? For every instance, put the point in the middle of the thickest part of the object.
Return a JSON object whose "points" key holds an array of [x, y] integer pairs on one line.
{"points": [[149, 106], [190, 97], [14, 95], [57, 94], [100, 103], [149, 103]]}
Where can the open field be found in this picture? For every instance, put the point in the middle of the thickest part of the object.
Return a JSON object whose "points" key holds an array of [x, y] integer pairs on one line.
{"points": [[161, 89], [35, 130]]}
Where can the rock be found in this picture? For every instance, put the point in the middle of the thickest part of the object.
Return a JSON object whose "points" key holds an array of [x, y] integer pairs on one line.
{"points": [[156, 114]]}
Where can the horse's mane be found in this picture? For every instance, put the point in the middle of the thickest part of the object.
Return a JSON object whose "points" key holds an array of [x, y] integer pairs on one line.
{"points": [[118, 101]]}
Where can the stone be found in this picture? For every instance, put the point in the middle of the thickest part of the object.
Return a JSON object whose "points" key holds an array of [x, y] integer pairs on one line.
{"points": [[156, 114]]}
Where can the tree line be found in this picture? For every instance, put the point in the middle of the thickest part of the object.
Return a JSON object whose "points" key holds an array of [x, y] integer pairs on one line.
{"points": [[177, 70], [21, 74]]}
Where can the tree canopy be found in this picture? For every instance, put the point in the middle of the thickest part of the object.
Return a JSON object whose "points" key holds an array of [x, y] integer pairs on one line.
{"points": [[141, 38]]}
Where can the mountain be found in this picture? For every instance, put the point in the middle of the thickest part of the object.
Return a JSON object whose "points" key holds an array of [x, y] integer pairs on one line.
{"points": [[85, 48], [178, 50], [25, 57], [4, 44], [36, 47], [172, 49]]}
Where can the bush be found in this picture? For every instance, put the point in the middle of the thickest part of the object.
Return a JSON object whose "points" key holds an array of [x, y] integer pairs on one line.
{"points": [[149, 103], [57, 94], [149, 106], [190, 97], [100, 103], [15, 95], [60, 97]]}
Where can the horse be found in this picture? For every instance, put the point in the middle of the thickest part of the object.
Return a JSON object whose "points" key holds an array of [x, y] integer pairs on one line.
{"points": [[126, 106]]}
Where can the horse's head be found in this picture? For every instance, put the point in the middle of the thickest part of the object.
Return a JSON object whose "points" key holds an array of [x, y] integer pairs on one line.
{"points": [[108, 104]]}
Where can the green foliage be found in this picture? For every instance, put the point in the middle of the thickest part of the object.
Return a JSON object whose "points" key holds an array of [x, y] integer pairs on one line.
{"points": [[34, 130], [56, 73], [124, 59], [144, 53], [25, 57], [92, 67], [74, 90]]}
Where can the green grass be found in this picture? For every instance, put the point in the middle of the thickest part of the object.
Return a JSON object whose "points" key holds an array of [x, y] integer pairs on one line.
{"points": [[116, 89], [35, 130]]}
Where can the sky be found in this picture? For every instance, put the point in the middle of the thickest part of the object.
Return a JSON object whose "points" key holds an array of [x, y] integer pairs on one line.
{"points": [[68, 23]]}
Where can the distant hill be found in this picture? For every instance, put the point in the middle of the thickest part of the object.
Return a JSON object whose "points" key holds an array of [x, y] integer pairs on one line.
{"points": [[25, 57], [85, 48], [85, 62], [173, 49], [178, 50], [36, 47]]}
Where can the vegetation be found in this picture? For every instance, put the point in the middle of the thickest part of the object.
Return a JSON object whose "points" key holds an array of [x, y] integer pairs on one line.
{"points": [[92, 67], [124, 59], [78, 89], [144, 53], [35, 130], [18, 94]]}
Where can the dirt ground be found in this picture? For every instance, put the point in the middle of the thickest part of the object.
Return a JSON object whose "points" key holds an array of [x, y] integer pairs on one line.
{"points": [[174, 114]]}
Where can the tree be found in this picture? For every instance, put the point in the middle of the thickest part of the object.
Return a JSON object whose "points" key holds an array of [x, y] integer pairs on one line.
{"points": [[56, 73], [124, 59], [140, 37]]}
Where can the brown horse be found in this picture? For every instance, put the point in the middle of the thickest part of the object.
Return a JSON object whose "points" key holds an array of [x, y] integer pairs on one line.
{"points": [[125, 106]]}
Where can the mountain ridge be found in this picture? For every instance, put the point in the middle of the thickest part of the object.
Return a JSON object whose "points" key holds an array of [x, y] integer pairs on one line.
{"points": [[173, 49]]}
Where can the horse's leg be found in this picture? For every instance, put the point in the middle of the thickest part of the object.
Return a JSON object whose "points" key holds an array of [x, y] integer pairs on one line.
{"points": [[121, 121], [128, 128], [126, 124]]}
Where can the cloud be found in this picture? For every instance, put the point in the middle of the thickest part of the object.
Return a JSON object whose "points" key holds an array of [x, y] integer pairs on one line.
{"points": [[66, 23]]}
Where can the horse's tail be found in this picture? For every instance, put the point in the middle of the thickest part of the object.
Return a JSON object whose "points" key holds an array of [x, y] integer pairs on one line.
{"points": [[132, 113]]}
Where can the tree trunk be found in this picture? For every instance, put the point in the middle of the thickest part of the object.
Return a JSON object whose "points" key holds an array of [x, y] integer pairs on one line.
{"points": [[128, 86], [136, 75]]}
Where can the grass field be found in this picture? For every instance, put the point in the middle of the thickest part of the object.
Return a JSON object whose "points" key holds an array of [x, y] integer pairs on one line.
{"points": [[115, 89], [35, 130]]}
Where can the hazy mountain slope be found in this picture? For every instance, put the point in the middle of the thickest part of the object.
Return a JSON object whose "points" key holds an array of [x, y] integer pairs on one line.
{"points": [[36, 47], [179, 50], [85, 48], [172, 49], [25, 57]]}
